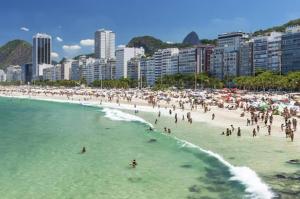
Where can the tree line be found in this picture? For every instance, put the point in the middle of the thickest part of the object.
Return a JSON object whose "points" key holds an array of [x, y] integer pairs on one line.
{"points": [[269, 80]]}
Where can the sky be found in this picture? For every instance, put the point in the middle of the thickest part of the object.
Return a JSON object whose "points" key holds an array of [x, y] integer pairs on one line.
{"points": [[72, 23]]}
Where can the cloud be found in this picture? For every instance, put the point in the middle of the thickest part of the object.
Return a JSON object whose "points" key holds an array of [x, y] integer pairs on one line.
{"points": [[87, 42], [24, 29], [59, 39], [69, 48], [54, 55]]}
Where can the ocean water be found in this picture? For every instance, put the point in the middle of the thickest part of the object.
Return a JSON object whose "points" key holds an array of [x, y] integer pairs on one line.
{"points": [[40, 144]]}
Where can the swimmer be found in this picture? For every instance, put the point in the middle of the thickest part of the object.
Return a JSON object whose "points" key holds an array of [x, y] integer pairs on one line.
{"points": [[133, 164], [83, 150]]}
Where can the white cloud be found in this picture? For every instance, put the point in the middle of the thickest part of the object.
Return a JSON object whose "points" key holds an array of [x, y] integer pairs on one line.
{"points": [[87, 42], [59, 39], [54, 55], [24, 29], [69, 48]]}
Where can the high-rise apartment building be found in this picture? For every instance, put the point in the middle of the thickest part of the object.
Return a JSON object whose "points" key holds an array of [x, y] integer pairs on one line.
{"points": [[204, 58], [225, 61], [2, 76], [13, 73], [246, 59], [26, 73], [105, 44], [66, 70], [267, 52], [187, 61], [232, 39], [290, 46], [123, 55], [41, 53], [148, 70]]}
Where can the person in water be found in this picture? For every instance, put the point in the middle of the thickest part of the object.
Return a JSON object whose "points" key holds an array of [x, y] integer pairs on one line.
{"points": [[83, 150], [133, 163]]}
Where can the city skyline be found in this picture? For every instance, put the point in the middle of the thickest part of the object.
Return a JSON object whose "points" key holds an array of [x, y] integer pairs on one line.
{"points": [[136, 19]]}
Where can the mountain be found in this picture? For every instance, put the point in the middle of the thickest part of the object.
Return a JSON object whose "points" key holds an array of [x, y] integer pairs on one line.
{"points": [[277, 28], [16, 52], [152, 44], [92, 55], [191, 39]]}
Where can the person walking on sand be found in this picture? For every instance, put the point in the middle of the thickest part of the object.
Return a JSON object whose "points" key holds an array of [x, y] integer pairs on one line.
{"points": [[239, 132], [257, 128], [213, 116], [269, 129], [292, 135], [254, 132], [232, 128]]}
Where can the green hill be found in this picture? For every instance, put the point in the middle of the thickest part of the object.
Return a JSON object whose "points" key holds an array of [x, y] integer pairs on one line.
{"points": [[277, 28], [16, 52], [152, 44]]}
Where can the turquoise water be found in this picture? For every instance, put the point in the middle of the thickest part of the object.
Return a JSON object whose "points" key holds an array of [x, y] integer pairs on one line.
{"points": [[40, 144]]}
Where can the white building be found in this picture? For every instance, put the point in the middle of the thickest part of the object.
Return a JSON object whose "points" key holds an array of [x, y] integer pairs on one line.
{"points": [[41, 53], [104, 44], [66, 69], [13, 73], [166, 62], [2, 76], [88, 70], [123, 55], [52, 73], [41, 68], [293, 29]]}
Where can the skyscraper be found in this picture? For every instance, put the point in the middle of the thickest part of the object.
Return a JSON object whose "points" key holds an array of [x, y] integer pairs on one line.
{"points": [[104, 44], [41, 52]]}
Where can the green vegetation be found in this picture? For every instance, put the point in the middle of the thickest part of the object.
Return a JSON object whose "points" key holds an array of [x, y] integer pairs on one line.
{"points": [[14, 83], [58, 83], [209, 41], [151, 44], [16, 52], [269, 80], [122, 83], [277, 28], [181, 81]]}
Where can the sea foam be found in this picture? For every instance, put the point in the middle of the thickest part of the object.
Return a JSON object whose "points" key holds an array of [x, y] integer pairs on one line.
{"points": [[255, 187], [118, 115]]}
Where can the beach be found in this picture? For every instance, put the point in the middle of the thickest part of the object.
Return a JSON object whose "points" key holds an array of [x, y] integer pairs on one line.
{"points": [[260, 162]]}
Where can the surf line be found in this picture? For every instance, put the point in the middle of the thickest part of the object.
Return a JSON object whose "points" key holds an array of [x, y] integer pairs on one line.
{"points": [[255, 187]]}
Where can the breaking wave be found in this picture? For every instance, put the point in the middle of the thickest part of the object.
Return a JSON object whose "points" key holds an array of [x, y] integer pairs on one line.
{"points": [[255, 187]]}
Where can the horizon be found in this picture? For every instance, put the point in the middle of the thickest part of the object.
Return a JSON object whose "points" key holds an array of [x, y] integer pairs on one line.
{"points": [[136, 19]]}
